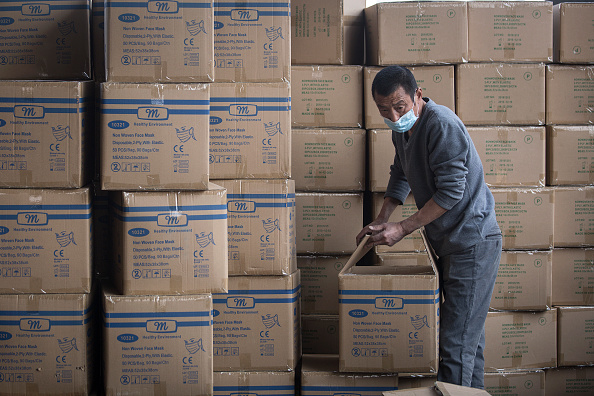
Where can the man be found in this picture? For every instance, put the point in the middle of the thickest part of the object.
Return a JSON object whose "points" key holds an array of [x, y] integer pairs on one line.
{"points": [[436, 160]]}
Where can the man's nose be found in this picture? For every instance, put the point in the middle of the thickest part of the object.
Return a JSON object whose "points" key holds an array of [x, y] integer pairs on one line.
{"points": [[393, 115]]}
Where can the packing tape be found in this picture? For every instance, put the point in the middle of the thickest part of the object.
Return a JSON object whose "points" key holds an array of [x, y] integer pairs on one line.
{"points": [[160, 388], [588, 295], [318, 245], [504, 382], [26, 177], [32, 388], [176, 283], [245, 361], [153, 180], [36, 283]]}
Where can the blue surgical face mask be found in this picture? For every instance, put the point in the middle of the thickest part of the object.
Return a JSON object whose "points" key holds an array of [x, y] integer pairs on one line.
{"points": [[404, 123]]}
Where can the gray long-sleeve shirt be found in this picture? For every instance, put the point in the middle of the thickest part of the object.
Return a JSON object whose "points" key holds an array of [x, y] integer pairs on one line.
{"points": [[440, 161]]}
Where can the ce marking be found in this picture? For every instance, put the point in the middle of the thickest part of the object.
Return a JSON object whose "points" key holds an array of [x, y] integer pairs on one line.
{"points": [[265, 334], [413, 335]]}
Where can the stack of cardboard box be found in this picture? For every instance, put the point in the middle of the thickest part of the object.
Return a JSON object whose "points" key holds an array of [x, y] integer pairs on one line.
{"points": [[257, 323], [328, 156], [49, 326], [164, 128], [570, 168], [167, 228], [491, 62]]}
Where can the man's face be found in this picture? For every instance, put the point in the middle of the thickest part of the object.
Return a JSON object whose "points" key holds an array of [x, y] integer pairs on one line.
{"points": [[395, 105]]}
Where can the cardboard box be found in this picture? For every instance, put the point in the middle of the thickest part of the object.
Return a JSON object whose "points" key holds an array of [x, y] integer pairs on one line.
{"points": [[570, 155], [570, 94], [521, 340], [378, 307], [328, 223], [329, 159], [271, 383], [319, 334], [412, 381], [252, 41], [319, 283], [437, 83], [252, 333], [328, 33], [511, 31], [434, 32], [327, 96], [404, 259], [516, 383], [98, 39], [154, 136], [48, 344], [320, 376], [250, 131], [511, 156], [171, 41], [44, 127], [524, 281], [569, 381], [380, 156], [525, 217], [261, 226], [573, 276], [501, 94], [45, 241], [439, 389], [575, 341], [170, 242], [572, 42], [574, 216], [157, 344], [44, 41]]}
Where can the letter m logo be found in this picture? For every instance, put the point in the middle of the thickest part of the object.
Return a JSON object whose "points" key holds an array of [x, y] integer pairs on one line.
{"points": [[244, 15], [34, 324], [243, 110], [35, 9], [29, 111], [161, 326], [152, 113], [389, 303], [163, 7], [241, 206]]}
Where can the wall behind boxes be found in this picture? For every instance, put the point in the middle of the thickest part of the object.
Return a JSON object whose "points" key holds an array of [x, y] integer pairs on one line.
{"points": [[537, 157], [527, 103]]}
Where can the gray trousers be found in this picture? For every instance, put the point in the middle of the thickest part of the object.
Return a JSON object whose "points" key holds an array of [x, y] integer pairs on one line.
{"points": [[467, 279]]}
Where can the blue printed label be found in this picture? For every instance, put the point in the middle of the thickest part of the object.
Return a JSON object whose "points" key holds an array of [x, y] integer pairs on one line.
{"points": [[241, 206], [163, 7], [153, 113], [35, 9], [29, 111], [32, 218], [161, 326], [243, 110], [240, 302], [389, 303], [172, 220], [244, 15], [34, 324]]}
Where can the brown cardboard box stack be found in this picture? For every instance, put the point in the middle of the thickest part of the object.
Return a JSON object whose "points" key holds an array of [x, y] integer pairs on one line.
{"points": [[257, 327], [167, 227], [328, 165], [198, 92], [530, 120], [49, 326]]}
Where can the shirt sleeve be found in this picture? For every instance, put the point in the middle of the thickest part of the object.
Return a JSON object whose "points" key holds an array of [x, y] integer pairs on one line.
{"points": [[448, 147], [398, 186]]}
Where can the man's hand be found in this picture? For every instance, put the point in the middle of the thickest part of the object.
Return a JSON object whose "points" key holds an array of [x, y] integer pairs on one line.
{"points": [[385, 234]]}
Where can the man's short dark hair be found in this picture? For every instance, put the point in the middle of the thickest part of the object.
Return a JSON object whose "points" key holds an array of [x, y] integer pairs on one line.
{"points": [[390, 78]]}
